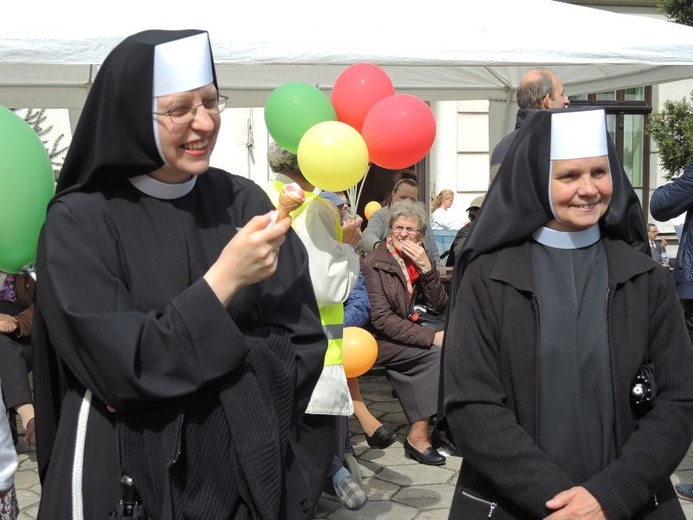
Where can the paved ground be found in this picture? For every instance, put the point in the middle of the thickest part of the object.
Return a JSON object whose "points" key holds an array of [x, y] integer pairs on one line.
{"points": [[398, 488]]}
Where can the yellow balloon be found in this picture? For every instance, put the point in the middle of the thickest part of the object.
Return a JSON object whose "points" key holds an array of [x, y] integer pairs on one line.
{"points": [[333, 156], [371, 208]]}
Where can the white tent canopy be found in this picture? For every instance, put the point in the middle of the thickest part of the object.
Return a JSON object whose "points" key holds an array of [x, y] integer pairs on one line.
{"points": [[436, 50]]}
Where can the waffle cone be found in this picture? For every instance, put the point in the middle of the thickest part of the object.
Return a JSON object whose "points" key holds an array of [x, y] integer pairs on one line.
{"points": [[290, 199]]}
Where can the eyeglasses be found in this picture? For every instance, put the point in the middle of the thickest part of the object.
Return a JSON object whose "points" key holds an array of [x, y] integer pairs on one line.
{"points": [[409, 230], [184, 114]]}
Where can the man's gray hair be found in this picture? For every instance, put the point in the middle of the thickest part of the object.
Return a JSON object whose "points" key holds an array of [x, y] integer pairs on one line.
{"points": [[530, 94], [281, 160], [411, 210]]}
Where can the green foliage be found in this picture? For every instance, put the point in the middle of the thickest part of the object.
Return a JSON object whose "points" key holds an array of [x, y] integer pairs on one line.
{"points": [[680, 11], [35, 119], [672, 130]]}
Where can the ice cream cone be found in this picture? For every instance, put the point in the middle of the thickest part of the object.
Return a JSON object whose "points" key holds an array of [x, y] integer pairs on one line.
{"points": [[291, 197]]}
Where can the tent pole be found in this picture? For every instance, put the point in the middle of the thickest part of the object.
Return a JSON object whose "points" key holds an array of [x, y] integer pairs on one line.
{"points": [[508, 106]]}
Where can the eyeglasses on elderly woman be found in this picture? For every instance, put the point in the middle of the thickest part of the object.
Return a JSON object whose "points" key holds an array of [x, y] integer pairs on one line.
{"points": [[401, 229], [184, 114]]}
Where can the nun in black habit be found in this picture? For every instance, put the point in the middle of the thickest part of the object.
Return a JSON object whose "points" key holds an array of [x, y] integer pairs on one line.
{"points": [[557, 308], [178, 337]]}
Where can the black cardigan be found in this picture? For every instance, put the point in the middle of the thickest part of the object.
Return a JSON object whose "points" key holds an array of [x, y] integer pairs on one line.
{"points": [[258, 401]]}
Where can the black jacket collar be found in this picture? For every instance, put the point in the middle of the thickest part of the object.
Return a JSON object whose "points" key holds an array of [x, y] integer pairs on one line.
{"points": [[514, 264]]}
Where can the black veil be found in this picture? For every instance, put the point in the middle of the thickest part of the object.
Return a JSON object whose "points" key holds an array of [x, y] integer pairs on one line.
{"points": [[114, 138], [517, 203]]}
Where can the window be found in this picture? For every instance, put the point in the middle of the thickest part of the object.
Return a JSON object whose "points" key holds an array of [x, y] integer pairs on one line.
{"points": [[626, 114]]}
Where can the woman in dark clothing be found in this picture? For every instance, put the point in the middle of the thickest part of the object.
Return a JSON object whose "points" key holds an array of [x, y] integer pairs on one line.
{"points": [[398, 269], [17, 297], [558, 307], [178, 336]]}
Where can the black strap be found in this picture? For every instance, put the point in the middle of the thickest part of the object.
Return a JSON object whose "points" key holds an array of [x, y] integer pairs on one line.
{"points": [[12, 308]]}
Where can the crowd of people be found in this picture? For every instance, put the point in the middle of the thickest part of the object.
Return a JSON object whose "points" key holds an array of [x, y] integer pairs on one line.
{"points": [[186, 343]]}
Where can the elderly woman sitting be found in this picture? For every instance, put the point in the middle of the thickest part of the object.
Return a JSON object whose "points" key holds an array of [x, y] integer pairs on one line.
{"points": [[395, 271]]}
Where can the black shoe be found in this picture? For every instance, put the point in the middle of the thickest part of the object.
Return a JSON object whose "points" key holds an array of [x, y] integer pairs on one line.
{"points": [[381, 438], [430, 456], [441, 441]]}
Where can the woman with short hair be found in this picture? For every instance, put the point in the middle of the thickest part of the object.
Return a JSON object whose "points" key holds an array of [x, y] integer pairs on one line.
{"points": [[396, 273]]}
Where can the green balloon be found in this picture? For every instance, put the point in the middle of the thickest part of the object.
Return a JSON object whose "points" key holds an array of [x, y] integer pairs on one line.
{"points": [[26, 187], [292, 109]]}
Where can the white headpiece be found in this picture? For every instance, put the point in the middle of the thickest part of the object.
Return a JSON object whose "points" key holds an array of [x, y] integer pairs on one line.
{"points": [[182, 65], [578, 134]]}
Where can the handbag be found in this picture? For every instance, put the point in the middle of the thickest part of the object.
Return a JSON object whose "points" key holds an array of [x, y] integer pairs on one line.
{"points": [[424, 316], [428, 318]]}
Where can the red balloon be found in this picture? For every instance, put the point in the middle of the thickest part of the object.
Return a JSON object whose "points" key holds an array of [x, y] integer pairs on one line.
{"points": [[357, 89], [399, 131]]}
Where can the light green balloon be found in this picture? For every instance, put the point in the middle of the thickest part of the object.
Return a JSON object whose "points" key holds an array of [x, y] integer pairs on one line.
{"points": [[292, 109], [26, 187]]}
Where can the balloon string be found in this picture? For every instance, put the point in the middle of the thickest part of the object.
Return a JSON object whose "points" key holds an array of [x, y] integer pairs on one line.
{"points": [[354, 194], [351, 193], [360, 187]]}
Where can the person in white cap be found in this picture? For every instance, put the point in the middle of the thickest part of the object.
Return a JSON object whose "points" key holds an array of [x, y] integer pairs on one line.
{"points": [[567, 374], [462, 233], [178, 339], [334, 269]]}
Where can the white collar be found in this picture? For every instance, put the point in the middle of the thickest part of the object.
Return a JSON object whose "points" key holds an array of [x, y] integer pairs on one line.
{"points": [[162, 190], [567, 240]]}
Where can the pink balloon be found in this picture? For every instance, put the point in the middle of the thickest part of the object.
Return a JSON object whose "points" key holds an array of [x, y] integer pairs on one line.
{"points": [[399, 131], [357, 89]]}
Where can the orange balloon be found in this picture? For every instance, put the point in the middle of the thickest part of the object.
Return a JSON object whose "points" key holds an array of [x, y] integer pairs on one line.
{"points": [[359, 351], [371, 208]]}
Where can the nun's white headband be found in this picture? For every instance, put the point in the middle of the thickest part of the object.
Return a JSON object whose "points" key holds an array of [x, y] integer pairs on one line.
{"points": [[578, 134]]}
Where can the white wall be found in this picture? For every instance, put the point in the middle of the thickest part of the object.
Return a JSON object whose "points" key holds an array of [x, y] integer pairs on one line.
{"points": [[459, 158], [240, 128]]}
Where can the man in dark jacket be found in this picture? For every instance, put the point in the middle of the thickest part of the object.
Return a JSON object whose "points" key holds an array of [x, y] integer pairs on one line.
{"points": [[667, 202], [538, 89]]}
